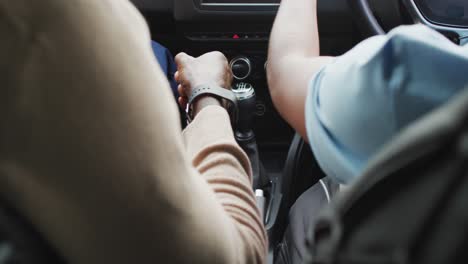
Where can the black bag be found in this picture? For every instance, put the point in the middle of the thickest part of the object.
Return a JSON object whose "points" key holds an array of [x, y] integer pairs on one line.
{"points": [[411, 204]]}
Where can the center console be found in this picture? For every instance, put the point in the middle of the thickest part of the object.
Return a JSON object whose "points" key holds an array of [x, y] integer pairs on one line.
{"points": [[240, 29]]}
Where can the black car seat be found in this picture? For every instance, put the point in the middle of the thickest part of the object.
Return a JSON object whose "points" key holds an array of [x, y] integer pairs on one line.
{"points": [[410, 205], [303, 186]]}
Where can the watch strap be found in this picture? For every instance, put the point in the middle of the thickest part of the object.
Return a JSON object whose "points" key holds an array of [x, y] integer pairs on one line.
{"points": [[209, 89], [212, 90]]}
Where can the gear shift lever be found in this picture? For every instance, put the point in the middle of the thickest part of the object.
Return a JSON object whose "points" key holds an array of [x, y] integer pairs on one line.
{"points": [[245, 94], [244, 134]]}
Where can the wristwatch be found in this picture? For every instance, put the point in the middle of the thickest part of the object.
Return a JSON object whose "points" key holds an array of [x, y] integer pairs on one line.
{"points": [[227, 97]]}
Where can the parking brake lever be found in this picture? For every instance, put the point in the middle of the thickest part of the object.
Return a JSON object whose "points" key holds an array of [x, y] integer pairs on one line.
{"points": [[244, 133]]}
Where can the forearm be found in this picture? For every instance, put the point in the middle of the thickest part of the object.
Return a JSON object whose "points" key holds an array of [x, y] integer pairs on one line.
{"points": [[293, 59], [295, 30], [205, 101], [225, 167]]}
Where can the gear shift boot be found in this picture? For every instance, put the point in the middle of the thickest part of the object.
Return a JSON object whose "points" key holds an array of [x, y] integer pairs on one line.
{"points": [[244, 133]]}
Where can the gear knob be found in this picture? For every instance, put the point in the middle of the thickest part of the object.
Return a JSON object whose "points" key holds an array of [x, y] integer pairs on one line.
{"points": [[245, 94]]}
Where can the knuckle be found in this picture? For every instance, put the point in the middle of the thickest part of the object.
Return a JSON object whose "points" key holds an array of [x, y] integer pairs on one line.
{"points": [[181, 57], [219, 55]]}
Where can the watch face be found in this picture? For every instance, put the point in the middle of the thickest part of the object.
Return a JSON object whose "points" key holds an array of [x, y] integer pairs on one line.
{"points": [[445, 12]]}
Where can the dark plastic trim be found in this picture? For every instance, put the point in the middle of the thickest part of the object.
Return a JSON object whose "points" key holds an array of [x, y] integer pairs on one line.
{"points": [[365, 17]]}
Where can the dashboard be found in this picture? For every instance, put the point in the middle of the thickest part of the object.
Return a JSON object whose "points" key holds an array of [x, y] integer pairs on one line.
{"points": [[333, 14]]}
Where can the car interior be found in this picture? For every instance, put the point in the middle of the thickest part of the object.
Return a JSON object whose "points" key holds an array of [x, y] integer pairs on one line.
{"points": [[284, 165], [240, 29]]}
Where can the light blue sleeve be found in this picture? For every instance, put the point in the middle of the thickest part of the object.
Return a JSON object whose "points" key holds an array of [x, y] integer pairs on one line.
{"points": [[362, 99]]}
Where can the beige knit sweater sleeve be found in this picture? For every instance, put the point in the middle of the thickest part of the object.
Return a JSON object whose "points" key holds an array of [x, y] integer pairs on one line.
{"points": [[92, 152], [225, 167]]}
